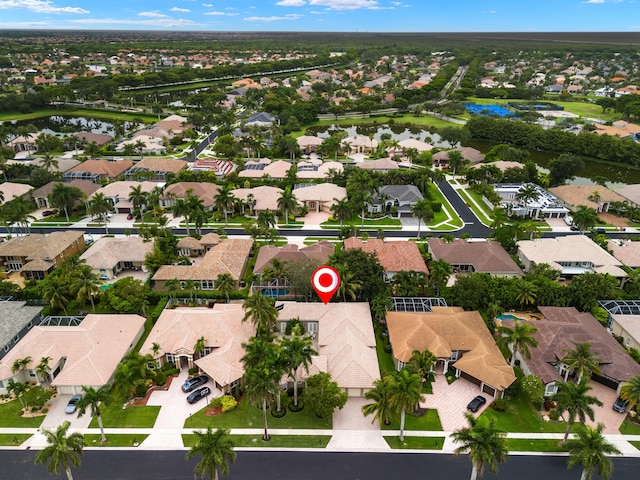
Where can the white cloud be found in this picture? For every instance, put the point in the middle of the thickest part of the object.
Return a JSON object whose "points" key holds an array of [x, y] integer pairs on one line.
{"points": [[292, 16], [178, 9], [208, 5], [346, 4], [156, 22], [153, 15], [291, 3], [595, 1], [221, 14], [39, 6]]}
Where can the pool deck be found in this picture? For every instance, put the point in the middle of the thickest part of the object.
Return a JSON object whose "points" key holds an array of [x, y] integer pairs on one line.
{"points": [[528, 316]]}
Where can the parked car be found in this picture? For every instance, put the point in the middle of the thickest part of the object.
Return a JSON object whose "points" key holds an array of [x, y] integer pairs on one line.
{"points": [[198, 394], [620, 405], [599, 230], [48, 213], [476, 403], [574, 227], [72, 406], [130, 216], [194, 382]]}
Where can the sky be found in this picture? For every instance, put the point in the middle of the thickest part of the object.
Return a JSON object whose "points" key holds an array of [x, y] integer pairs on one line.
{"points": [[325, 15]]}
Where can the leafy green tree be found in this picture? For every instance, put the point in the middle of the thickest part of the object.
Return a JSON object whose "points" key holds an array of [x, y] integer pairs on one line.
{"points": [[92, 399], [349, 284], [405, 391], [533, 387], [297, 351], [62, 450], [217, 451], [630, 392], [573, 399], [132, 373], [365, 268], [127, 295], [564, 168], [582, 360], [590, 449], [485, 444], [64, 197], [585, 218], [380, 396], [225, 284], [323, 395], [519, 339], [261, 311]]}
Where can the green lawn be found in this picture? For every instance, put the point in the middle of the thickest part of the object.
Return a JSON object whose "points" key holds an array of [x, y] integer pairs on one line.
{"points": [[481, 213], [534, 445], [79, 112], [11, 413], [429, 422], [635, 444], [113, 440], [521, 417], [422, 120], [277, 441], [386, 223], [385, 360], [629, 428], [115, 416], [9, 439], [416, 443], [249, 416]]}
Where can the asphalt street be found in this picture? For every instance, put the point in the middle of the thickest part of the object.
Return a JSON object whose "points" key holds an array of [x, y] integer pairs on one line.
{"points": [[279, 465]]}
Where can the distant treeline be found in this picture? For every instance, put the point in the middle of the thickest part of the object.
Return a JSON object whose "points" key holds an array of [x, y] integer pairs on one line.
{"points": [[534, 137]]}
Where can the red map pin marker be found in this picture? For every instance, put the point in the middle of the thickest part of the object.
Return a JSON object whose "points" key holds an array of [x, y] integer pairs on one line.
{"points": [[325, 281]]}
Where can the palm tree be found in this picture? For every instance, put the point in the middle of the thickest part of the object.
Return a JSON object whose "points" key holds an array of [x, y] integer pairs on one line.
{"points": [[526, 292], [456, 160], [20, 363], [137, 198], [341, 210], [590, 449], [439, 272], [380, 395], [528, 193], [630, 392], [139, 146], [42, 369], [199, 347], [262, 312], [423, 362], [405, 393], [585, 218], [85, 285], [422, 211], [485, 444], [223, 201], [297, 352], [48, 162], [92, 399], [62, 450], [217, 453], [100, 205], [64, 197], [349, 284], [287, 202], [582, 360], [181, 209], [261, 383], [574, 399], [519, 338], [225, 284], [56, 294]]}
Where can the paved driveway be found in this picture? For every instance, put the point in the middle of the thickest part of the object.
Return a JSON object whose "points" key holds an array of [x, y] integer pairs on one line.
{"points": [[57, 416], [605, 414]]}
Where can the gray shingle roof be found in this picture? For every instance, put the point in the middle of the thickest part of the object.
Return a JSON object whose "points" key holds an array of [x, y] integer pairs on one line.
{"points": [[14, 316]]}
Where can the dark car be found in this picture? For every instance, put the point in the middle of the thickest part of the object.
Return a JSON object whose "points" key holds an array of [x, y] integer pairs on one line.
{"points": [[599, 230], [72, 406], [194, 382], [574, 227], [476, 403], [620, 405], [198, 394], [48, 213], [130, 216]]}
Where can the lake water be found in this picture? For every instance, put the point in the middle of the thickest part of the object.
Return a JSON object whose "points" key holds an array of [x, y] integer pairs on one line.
{"points": [[60, 125]]}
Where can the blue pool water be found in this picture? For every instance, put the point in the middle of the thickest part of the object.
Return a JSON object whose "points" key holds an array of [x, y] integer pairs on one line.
{"points": [[274, 292], [508, 316], [486, 110]]}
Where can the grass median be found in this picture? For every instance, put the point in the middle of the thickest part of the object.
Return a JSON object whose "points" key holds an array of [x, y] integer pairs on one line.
{"points": [[115, 416], [415, 443], [534, 445], [276, 441], [114, 440], [13, 439]]}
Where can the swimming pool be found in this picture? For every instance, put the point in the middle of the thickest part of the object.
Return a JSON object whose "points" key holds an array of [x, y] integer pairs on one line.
{"points": [[508, 316], [275, 292]]}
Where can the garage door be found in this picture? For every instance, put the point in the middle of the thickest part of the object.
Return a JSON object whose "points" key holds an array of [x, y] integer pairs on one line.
{"points": [[607, 382], [470, 378], [489, 389], [66, 390], [354, 392]]}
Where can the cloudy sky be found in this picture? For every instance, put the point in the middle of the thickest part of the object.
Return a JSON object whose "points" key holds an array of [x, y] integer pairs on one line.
{"points": [[326, 15]]}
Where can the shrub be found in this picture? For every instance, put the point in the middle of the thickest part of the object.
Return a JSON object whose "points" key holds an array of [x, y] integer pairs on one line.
{"points": [[216, 402], [499, 405], [141, 390], [387, 348], [161, 378], [228, 403], [554, 415], [193, 371], [168, 366]]}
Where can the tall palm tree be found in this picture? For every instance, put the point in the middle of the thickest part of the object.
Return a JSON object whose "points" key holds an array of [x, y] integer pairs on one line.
{"points": [[380, 395], [181, 209], [137, 198], [225, 284], [92, 399], [262, 312], [519, 339], [85, 285], [590, 449], [261, 384], [630, 392], [341, 210], [574, 399], [42, 369], [423, 362], [199, 347], [349, 284], [485, 444], [65, 196], [405, 391], [526, 292], [56, 294], [585, 218], [20, 363], [224, 201], [297, 351], [528, 193], [582, 360], [287, 202], [422, 211], [99, 205], [62, 450], [439, 272], [48, 162], [216, 449]]}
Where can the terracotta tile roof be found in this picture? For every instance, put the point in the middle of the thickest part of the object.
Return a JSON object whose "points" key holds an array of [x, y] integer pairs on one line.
{"points": [[323, 192], [575, 195], [171, 165], [104, 168], [266, 197], [229, 256], [123, 188], [383, 164], [38, 246], [486, 257], [346, 341], [85, 186], [449, 329], [92, 349], [627, 252], [292, 253], [630, 192], [177, 331], [560, 331], [12, 190], [393, 256], [107, 252], [203, 190]]}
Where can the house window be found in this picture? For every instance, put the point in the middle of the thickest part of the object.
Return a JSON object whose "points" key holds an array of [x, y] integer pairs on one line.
{"points": [[6, 348], [628, 342], [283, 327], [1, 384], [401, 365], [312, 327], [454, 356], [207, 351], [207, 285], [234, 384], [550, 389], [170, 358], [16, 339]]}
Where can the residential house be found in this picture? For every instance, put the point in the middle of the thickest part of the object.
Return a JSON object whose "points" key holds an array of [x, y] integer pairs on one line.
{"points": [[155, 169], [361, 144], [308, 143], [559, 332], [99, 139], [261, 119], [118, 193], [205, 191], [26, 143], [459, 339], [11, 190], [259, 199], [380, 165], [395, 200], [265, 168], [82, 352], [441, 159], [228, 255], [110, 256], [36, 255], [394, 256], [623, 321], [317, 169], [475, 257], [597, 197], [319, 197], [631, 194], [41, 195], [220, 167], [627, 251], [98, 171], [177, 330], [570, 255], [544, 204], [344, 339], [16, 319]]}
